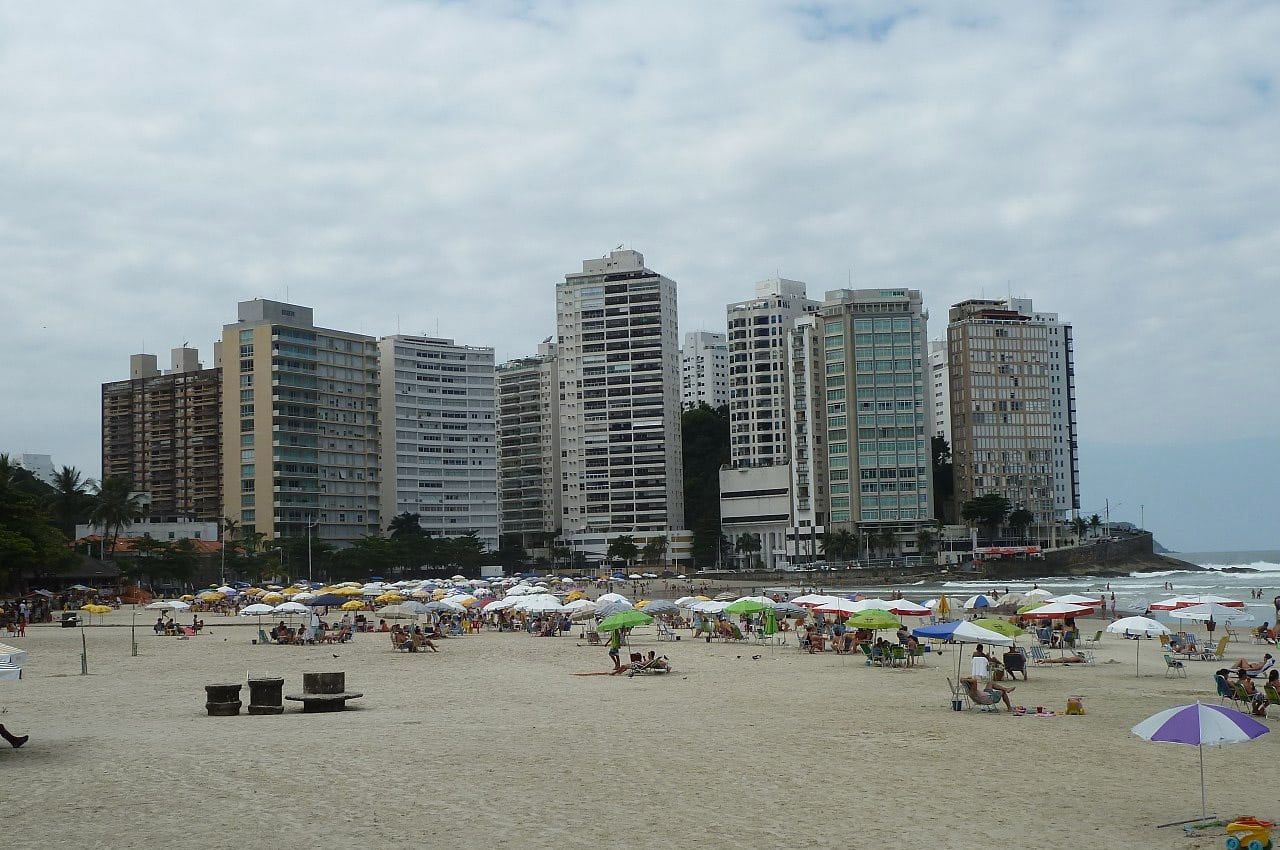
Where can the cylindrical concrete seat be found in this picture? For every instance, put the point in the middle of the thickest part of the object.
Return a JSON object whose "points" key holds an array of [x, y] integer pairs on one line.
{"points": [[323, 692], [265, 695], [222, 700]]}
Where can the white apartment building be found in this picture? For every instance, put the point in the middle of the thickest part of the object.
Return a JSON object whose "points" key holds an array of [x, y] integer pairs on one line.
{"points": [[808, 466], [755, 489], [300, 425], [440, 448], [619, 364], [1013, 408], [704, 370], [529, 446], [939, 387]]}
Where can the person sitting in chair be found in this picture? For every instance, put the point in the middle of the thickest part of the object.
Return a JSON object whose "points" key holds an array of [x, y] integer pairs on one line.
{"points": [[653, 662], [159, 626], [1015, 662], [985, 694]]}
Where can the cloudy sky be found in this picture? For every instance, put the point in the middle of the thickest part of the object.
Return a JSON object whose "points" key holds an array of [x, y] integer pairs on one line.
{"points": [[437, 166]]}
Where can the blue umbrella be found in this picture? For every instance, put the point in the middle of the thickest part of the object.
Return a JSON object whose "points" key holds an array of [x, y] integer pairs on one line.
{"points": [[1199, 724], [329, 599], [962, 631]]}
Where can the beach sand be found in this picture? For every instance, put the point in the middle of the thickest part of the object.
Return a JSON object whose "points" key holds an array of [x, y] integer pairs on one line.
{"points": [[495, 742]]}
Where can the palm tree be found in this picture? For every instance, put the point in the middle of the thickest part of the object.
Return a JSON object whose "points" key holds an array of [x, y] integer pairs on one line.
{"points": [[70, 501], [623, 548], [839, 544], [114, 507], [925, 539], [748, 544], [1020, 520], [1095, 522], [1080, 526]]}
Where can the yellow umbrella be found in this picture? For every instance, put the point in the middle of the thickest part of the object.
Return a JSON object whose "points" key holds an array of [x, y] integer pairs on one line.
{"points": [[642, 603], [212, 596], [386, 599], [420, 594], [253, 591], [273, 598], [575, 596], [353, 605], [944, 606], [347, 591], [187, 597]]}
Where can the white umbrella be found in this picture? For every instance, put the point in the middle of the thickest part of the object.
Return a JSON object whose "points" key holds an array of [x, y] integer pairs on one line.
{"points": [[840, 607], [686, 601], [1213, 611], [612, 597], [501, 604], [709, 606], [580, 605], [868, 604], [1175, 602], [1075, 599], [289, 608], [1137, 626], [813, 600], [257, 609], [540, 604]]}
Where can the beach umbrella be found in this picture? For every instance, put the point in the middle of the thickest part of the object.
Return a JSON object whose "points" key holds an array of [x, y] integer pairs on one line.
{"points": [[187, 597], [811, 600], [289, 608], [1176, 602], [787, 609], [612, 597], [257, 609], [604, 609], [399, 611], [348, 591], [352, 605], [624, 620], [273, 598], [1198, 725], [661, 606], [1057, 611], [840, 608], [580, 604], [542, 603], [442, 606], [1213, 611], [324, 599], [1075, 599], [978, 601], [746, 605], [709, 606], [1031, 606], [304, 596], [725, 597], [873, 618], [962, 631], [1137, 626], [905, 608], [944, 606], [1003, 627]]}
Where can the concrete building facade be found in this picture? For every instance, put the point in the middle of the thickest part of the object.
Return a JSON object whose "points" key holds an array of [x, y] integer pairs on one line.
{"points": [[704, 370], [301, 426], [619, 394], [878, 412], [163, 433], [439, 436], [529, 446], [1013, 417], [755, 488]]}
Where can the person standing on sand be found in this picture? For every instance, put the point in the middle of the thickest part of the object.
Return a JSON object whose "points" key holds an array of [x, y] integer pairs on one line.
{"points": [[615, 649]]}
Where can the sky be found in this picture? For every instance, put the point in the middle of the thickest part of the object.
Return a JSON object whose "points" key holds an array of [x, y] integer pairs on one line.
{"points": [[436, 167]]}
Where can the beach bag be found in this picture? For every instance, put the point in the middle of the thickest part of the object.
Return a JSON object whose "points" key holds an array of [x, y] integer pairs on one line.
{"points": [[1075, 705]]}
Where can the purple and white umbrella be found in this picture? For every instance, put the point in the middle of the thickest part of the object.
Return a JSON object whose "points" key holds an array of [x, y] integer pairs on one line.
{"points": [[1199, 724]]}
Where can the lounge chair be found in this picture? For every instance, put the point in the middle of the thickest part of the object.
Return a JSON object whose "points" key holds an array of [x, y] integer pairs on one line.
{"points": [[263, 637], [1217, 652], [1273, 698], [985, 700], [1015, 662], [1261, 672], [1171, 664], [1226, 691], [1096, 640], [665, 632], [1036, 653], [659, 664], [593, 638]]}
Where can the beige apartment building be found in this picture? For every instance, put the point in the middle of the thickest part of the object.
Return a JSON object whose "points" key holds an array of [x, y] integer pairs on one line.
{"points": [[301, 425]]}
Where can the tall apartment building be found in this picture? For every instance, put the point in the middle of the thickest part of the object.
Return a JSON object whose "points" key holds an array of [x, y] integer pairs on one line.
{"points": [[529, 446], [704, 370], [301, 425], [439, 440], [619, 364], [808, 427], [162, 432], [1013, 407], [940, 388], [755, 490], [878, 401]]}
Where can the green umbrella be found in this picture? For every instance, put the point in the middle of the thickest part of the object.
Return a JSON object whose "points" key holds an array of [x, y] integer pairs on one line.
{"points": [[747, 606], [770, 622], [624, 620], [1003, 627], [873, 618]]}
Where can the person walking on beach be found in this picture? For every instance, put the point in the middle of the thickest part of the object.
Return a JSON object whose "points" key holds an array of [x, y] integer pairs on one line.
{"points": [[615, 649]]}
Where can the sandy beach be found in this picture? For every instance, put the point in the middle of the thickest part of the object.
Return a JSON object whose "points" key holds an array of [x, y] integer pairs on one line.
{"points": [[495, 742]]}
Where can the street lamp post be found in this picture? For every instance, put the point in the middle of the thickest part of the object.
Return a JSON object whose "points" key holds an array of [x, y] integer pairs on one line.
{"points": [[310, 525], [222, 538]]}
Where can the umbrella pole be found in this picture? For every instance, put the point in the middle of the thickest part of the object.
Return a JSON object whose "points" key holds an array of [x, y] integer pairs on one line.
{"points": [[1204, 806], [1136, 650]]}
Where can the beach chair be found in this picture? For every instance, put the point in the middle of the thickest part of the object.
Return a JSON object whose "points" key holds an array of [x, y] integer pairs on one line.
{"points": [[664, 631], [1096, 640], [263, 637], [1225, 691], [1015, 662], [1261, 672], [1165, 644], [983, 700], [1217, 652], [1273, 698], [593, 638], [1172, 664], [1036, 653], [1086, 654], [898, 656]]}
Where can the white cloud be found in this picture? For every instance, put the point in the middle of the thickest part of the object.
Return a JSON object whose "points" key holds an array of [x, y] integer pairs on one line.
{"points": [[442, 165]]}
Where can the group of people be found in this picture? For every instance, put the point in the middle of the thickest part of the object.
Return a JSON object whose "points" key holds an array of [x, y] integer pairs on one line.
{"points": [[164, 626], [1246, 689], [414, 639]]}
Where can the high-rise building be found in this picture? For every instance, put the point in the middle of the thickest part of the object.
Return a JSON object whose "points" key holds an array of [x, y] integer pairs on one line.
{"points": [[162, 432], [1013, 408], [878, 411], [704, 370], [619, 365], [755, 489], [940, 389], [439, 439], [529, 446], [300, 426], [808, 426]]}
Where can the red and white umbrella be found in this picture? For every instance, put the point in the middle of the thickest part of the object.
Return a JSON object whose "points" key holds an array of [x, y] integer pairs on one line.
{"points": [[1057, 611], [906, 608], [813, 600], [840, 607], [1176, 602]]}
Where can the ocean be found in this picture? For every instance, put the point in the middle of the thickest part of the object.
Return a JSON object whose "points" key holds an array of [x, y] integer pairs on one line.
{"points": [[1260, 571]]}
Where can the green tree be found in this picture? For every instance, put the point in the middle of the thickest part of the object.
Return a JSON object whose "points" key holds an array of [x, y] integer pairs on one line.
{"points": [[1020, 520], [623, 548], [748, 545], [883, 540], [944, 487], [987, 512], [1095, 523], [114, 507], [705, 449], [655, 550], [511, 551], [70, 502], [839, 544], [926, 539], [406, 525], [1080, 526]]}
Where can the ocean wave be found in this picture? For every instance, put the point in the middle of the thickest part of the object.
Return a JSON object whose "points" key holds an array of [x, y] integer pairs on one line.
{"points": [[1259, 566]]}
